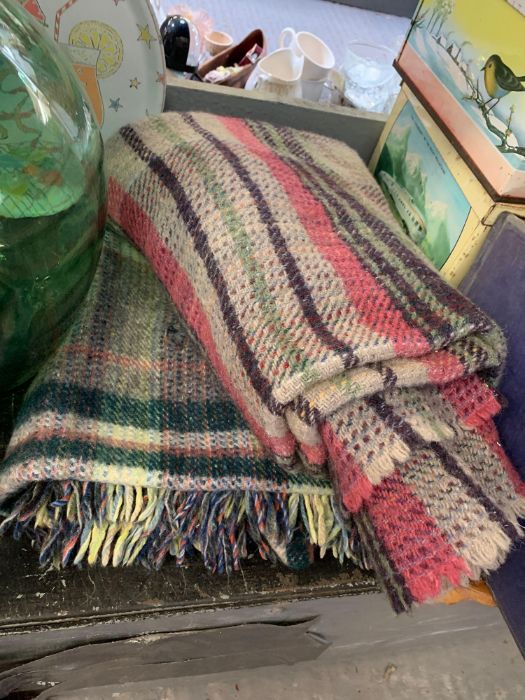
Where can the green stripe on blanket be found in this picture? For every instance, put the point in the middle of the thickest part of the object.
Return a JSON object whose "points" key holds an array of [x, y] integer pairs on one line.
{"points": [[127, 448]]}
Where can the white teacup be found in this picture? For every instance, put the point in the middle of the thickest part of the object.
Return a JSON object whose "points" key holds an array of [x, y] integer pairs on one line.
{"points": [[278, 73], [217, 41], [318, 58]]}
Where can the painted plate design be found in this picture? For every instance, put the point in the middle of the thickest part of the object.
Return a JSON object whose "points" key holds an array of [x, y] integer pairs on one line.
{"points": [[116, 51]]}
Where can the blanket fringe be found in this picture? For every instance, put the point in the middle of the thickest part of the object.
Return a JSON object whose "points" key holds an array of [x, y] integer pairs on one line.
{"points": [[72, 522]]}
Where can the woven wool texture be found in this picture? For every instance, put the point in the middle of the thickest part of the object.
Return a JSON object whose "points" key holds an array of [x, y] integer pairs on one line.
{"points": [[330, 332], [127, 448]]}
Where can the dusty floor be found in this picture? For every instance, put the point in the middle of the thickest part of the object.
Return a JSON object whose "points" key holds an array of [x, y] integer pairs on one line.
{"points": [[471, 666]]}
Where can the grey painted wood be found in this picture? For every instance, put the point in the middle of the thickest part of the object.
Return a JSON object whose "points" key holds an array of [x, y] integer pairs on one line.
{"points": [[362, 624], [402, 8], [469, 666], [172, 655], [45, 611], [361, 130]]}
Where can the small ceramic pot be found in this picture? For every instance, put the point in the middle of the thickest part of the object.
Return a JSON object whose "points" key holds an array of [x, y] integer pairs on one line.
{"points": [[217, 41]]}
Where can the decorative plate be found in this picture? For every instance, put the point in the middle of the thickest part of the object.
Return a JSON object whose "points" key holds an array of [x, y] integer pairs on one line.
{"points": [[116, 51]]}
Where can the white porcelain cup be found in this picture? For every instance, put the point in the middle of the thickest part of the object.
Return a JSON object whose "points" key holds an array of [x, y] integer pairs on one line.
{"points": [[318, 58], [217, 41], [278, 73]]}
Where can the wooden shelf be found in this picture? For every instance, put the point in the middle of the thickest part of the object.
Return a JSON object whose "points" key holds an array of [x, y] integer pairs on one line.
{"points": [[358, 129]]}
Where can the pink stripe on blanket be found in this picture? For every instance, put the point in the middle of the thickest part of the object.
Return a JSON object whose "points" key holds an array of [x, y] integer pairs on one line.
{"points": [[472, 400], [412, 540], [475, 405], [360, 285], [314, 454], [442, 366], [489, 433], [125, 211], [354, 486]]}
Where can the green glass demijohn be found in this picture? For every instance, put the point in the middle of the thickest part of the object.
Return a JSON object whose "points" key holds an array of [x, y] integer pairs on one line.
{"points": [[52, 195]]}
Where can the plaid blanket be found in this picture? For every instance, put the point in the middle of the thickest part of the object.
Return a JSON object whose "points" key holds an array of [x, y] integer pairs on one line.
{"points": [[127, 448], [330, 332]]}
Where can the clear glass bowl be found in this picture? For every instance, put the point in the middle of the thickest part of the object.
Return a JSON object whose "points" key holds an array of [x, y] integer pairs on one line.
{"points": [[370, 78], [52, 195]]}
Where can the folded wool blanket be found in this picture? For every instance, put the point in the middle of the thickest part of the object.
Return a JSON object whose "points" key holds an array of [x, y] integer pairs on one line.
{"points": [[330, 332], [127, 448]]}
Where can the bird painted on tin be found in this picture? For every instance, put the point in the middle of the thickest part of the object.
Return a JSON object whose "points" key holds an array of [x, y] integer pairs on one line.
{"points": [[500, 79]]}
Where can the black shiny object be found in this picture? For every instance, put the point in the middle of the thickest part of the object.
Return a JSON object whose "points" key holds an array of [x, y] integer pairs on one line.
{"points": [[176, 38]]}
